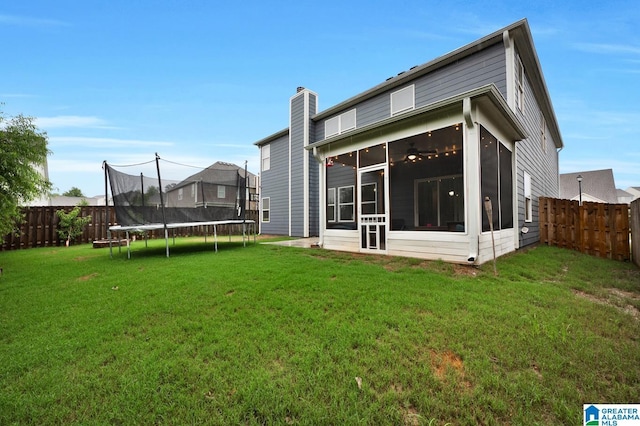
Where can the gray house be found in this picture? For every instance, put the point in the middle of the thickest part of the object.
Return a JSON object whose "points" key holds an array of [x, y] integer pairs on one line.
{"points": [[404, 167]]}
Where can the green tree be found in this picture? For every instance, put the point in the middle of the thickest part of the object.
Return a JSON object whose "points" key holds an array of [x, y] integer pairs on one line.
{"points": [[73, 192], [22, 149], [70, 225]]}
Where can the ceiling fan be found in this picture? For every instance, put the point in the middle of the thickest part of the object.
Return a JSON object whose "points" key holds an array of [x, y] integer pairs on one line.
{"points": [[414, 153]]}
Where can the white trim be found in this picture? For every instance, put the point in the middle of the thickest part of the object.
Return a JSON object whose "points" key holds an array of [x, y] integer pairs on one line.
{"points": [[510, 65], [289, 168], [305, 165]]}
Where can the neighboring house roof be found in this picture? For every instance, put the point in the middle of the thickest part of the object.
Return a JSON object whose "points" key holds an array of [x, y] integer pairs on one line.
{"points": [[634, 191], [522, 38], [61, 200], [623, 196], [216, 173], [597, 185]]}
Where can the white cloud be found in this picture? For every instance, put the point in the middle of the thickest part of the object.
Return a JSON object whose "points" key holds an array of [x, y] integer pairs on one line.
{"points": [[605, 48], [62, 121], [30, 22], [91, 142]]}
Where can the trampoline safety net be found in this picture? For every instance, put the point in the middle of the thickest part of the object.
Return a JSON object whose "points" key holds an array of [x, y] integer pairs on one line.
{"points": [[215, 193]]}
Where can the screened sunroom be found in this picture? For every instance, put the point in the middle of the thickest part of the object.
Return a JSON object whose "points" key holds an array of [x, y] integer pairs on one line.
{"points": [[416, 187]]}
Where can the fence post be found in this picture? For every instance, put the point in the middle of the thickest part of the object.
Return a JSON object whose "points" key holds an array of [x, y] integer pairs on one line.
{"points": [[635, 231]]}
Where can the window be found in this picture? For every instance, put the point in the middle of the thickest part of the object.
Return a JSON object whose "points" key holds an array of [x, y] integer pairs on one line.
{"points": [[403, 100], [496, 181], [340, 197], [340, 124], [369, 196], [528, 204], [427, 193], [193, 190], [440, 204], [222, 191], [346, 204], [543, 133], [266, 157], [332, 127], [331, 205], [180, 192], [266, 209], [519, 84]]}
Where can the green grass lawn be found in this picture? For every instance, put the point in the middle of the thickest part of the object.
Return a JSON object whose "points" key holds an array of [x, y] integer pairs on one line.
{"points": [[266, 334]]}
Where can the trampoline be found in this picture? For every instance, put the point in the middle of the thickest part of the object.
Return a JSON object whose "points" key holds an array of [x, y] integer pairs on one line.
{"points": [[211, 197]]}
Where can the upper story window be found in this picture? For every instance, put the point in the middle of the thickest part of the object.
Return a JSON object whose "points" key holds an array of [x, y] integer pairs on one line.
{"points": [[543, 133], [222, 191], [340, 124], [519, 84], [403, 100], [265, 154], [528, 204], [180, 193]]}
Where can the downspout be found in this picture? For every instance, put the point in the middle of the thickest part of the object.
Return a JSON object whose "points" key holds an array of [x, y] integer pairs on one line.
{"points": [[472, 155], [322, 195]]}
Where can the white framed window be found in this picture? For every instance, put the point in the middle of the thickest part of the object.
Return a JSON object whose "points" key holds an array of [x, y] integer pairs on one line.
{"points": [[180, 193], [332, 127], [519, 84], [528, 204], [369, 198], [222, 191], [340, 124], [331, 205], [266, 209], [346, 212], [403, 100], [193, 190], [348, 120], [543, 133], [265, 153]]}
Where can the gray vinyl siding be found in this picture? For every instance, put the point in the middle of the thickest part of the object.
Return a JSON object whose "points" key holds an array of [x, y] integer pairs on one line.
{"points": [[297, 165], [481, 68], [541, 166], [275, 185]]}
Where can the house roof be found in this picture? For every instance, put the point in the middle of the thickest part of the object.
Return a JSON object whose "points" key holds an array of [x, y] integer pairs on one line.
{"points": [[522, 38], [596, 184], [218, 172]]}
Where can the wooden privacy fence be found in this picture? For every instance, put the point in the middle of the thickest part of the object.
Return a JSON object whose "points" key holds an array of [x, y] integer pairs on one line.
{"points": [[40, 224], [597, 229]]}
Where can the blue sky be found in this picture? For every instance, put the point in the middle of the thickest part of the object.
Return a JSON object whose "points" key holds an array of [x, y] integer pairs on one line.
{"points": [[200, 81]]}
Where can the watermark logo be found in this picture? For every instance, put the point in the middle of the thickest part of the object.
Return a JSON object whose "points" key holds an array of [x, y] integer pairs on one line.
{"points": [[611, 414]]}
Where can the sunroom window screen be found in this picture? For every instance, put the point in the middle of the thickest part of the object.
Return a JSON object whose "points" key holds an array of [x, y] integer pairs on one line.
{"points": [[497, 182]]}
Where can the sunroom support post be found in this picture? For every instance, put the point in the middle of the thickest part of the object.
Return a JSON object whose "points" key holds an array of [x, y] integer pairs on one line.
{"points": [[472, 181]]}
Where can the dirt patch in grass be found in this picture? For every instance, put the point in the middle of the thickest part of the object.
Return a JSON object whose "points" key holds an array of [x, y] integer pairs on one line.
{"points": [[442, 361], [410, 416], [88, 277], [618, 299]]}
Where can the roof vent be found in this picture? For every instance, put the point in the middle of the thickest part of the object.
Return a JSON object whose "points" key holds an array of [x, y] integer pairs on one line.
{"points": [[299, 89]]}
